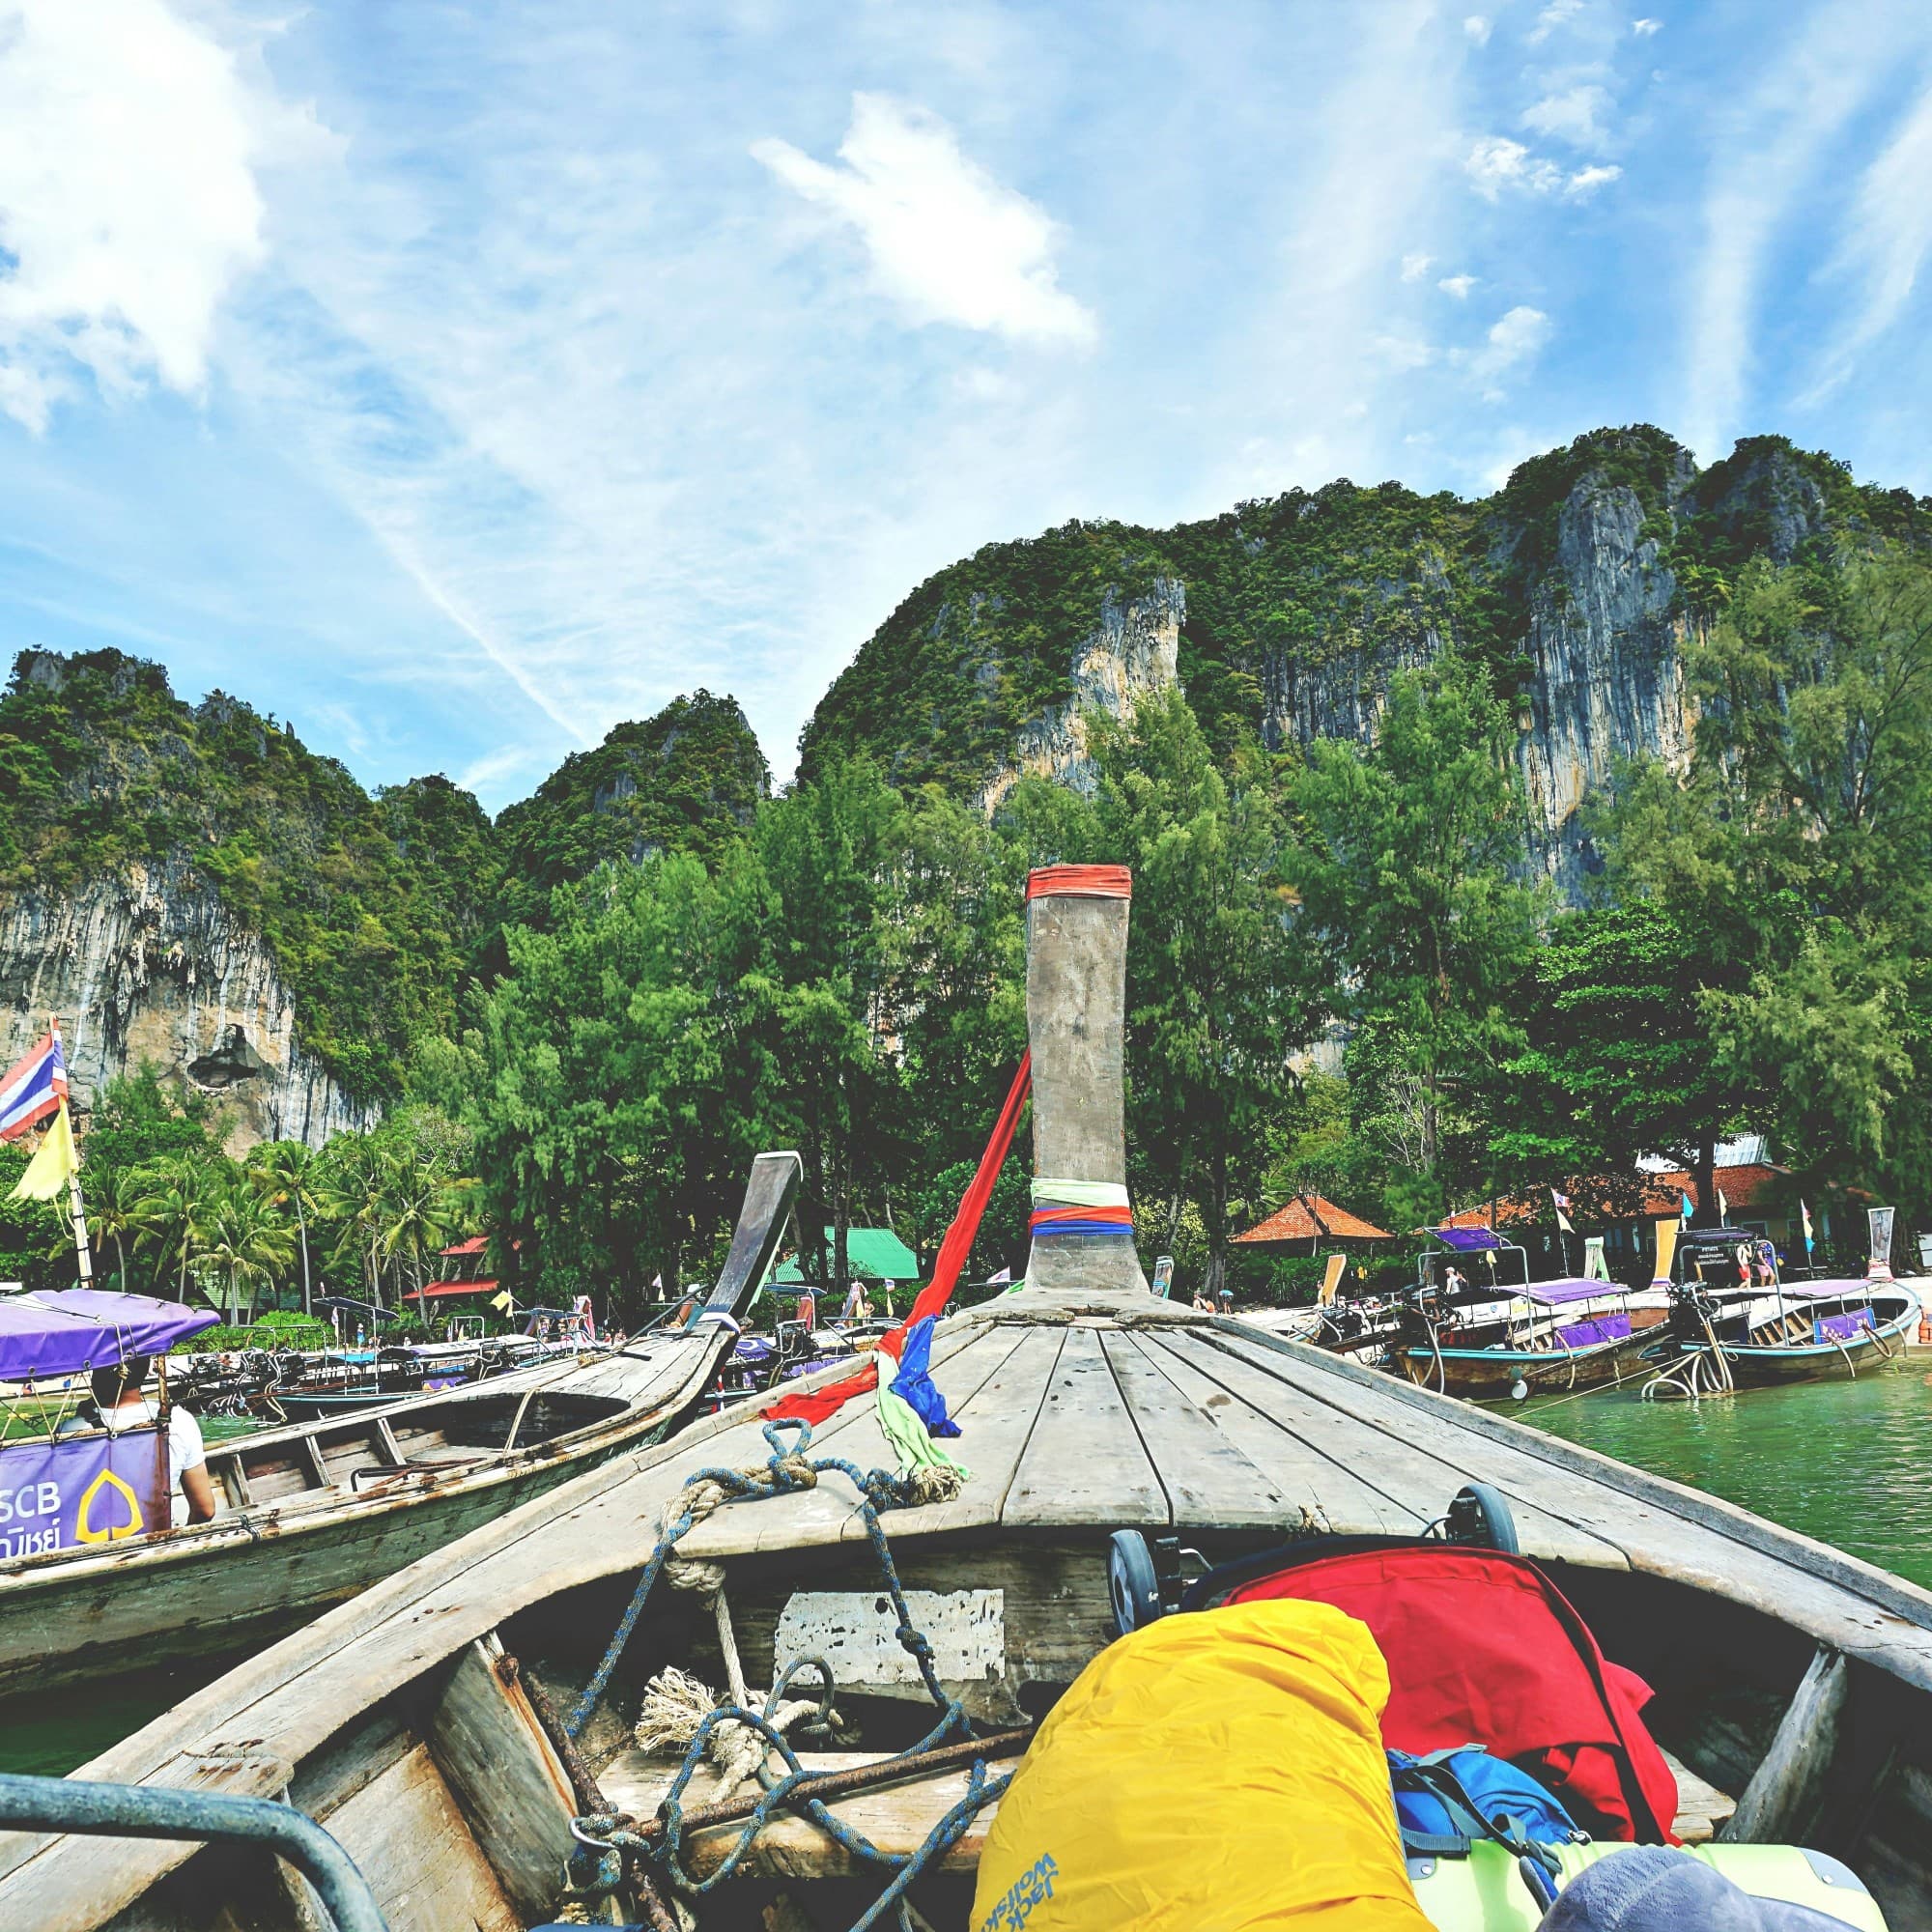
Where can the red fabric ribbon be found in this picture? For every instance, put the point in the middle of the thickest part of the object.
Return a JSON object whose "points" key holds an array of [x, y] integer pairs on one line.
{"points": [[931, 1300], [1086, 882], [1045, 1217]]}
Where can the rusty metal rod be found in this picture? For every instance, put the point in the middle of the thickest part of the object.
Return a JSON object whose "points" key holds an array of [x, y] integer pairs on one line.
{"points": [[584, 1788], [857, 1777]]}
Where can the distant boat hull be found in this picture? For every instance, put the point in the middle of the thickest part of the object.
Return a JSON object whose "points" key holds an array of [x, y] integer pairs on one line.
{"points": [[1487, 1372]]}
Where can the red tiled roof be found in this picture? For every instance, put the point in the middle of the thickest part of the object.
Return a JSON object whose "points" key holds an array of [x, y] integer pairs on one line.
{"points": [[1749, 1184], [1311, 1217], [473, 1247], [435, 1291]]}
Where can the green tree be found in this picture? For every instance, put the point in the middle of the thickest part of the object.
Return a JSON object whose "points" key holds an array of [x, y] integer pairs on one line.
{"points": [[1409, 872], [240, 1237], [1619, 1059], [1218, 1003], [827, 850], [1795, 851], [622, 1057], [288, 1174]]}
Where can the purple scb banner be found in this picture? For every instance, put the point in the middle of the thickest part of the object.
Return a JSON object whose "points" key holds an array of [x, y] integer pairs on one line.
{"points": [[86, 1489]]}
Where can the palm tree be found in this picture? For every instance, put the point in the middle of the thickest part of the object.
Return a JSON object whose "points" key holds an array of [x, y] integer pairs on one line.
{"points": [[242, 1237], [289, 1176], [116, 1213], [419, 1217], [174, 1203]]}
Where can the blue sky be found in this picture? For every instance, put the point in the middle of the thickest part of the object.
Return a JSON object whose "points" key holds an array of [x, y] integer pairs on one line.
{"points": [[457, 380]]}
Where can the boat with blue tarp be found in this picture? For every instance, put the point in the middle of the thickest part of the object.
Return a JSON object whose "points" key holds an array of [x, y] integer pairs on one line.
{"points": [[1737, 1322], [1494, 1332]]}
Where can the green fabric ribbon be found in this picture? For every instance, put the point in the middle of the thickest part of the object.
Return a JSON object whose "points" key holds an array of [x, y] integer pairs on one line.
{"points": [[1080, 1193], [911, 1444]]}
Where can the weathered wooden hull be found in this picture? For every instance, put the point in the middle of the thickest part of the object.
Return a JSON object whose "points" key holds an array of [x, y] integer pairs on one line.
{"points": [[197, 1597]]}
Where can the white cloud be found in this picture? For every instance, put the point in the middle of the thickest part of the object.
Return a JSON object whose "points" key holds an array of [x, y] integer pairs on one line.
{"points": [[1405, 352], [1764, 151], [1496, 163], [1516, 339], [1558, 14], [946, 240], [1478, 29], [1587, 181], [1575, 115], [1887, 233], [1643, 29], [128, 197], [1416, 266], [1458, 286]]}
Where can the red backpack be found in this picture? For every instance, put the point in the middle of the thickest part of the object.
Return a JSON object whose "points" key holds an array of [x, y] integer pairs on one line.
{"points": [[1482, 1648]]}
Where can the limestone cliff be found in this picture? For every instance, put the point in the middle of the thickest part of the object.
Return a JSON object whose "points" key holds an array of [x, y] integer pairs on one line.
{"points": [[1131, 653], [1577, 583], [152, 969]]}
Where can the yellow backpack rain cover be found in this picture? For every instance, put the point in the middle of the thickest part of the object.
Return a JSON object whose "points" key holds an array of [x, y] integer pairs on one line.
{"points": [[1210, 1772]]}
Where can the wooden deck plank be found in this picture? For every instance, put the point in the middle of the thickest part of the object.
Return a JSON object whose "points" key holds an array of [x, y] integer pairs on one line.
{"points": [[830, 1514], [1316, 1490], [1084, 1463], [1415, 1476], [1207, 1478]]}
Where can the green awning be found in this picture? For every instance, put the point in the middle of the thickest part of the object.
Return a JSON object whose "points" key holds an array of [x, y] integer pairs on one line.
{"points": [[876, 1254]]}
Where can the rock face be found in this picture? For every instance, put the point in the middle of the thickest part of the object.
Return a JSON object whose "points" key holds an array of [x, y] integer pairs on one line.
{"points": [[1132, 653], [1577, 586], [152, 970], [1603, 672]]}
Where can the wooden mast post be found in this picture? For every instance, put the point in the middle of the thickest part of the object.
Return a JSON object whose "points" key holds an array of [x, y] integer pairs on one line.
{"points": [[1076, 1013]]}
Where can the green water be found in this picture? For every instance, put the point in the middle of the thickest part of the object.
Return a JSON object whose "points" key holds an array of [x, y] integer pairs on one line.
{"points": [[51, 1732], [1848, 1462]]}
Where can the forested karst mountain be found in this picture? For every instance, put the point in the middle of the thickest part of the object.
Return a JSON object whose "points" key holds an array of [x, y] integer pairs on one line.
{"points": [[683, 781], [1576, 583], [192, 886]]}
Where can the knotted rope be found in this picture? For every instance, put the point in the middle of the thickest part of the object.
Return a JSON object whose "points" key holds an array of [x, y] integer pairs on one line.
{"points": [[610, 1836]]}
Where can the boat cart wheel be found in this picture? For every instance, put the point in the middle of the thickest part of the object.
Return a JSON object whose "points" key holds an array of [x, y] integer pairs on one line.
{"points": [[1132, 1581], [1481, 1515]]}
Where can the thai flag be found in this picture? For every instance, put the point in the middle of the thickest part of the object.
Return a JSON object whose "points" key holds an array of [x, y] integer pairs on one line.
{"points": [[34, 1089]]}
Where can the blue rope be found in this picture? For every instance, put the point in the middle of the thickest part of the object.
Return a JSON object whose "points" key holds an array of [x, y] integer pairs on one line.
{"points": [[605, 1832]]}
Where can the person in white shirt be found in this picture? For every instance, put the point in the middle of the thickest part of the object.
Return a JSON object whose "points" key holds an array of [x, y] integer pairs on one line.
{"points": [[118, 1394]]}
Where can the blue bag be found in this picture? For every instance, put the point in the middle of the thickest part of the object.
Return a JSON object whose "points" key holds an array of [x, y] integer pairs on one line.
{"points": [[1449, 1797]]}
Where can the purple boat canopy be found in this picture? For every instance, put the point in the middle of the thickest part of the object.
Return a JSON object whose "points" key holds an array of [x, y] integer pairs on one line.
{"points": [[67, 1331], [1468, 1241]]}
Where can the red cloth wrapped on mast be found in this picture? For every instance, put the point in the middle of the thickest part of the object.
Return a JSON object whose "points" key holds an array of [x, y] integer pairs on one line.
{"points": [[931, 1300]]}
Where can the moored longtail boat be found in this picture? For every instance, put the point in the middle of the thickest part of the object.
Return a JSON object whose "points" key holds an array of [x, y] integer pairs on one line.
{"points": [[1509, 1335], [416, 1722], [314, 1512], [1735, 1323]]}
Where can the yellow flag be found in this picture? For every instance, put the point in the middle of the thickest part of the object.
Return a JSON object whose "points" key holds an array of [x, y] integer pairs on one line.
{"points": [[49, 1171]]}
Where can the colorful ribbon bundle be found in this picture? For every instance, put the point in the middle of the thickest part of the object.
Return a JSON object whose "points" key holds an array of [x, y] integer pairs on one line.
{"points": [[1081, 1208]]}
